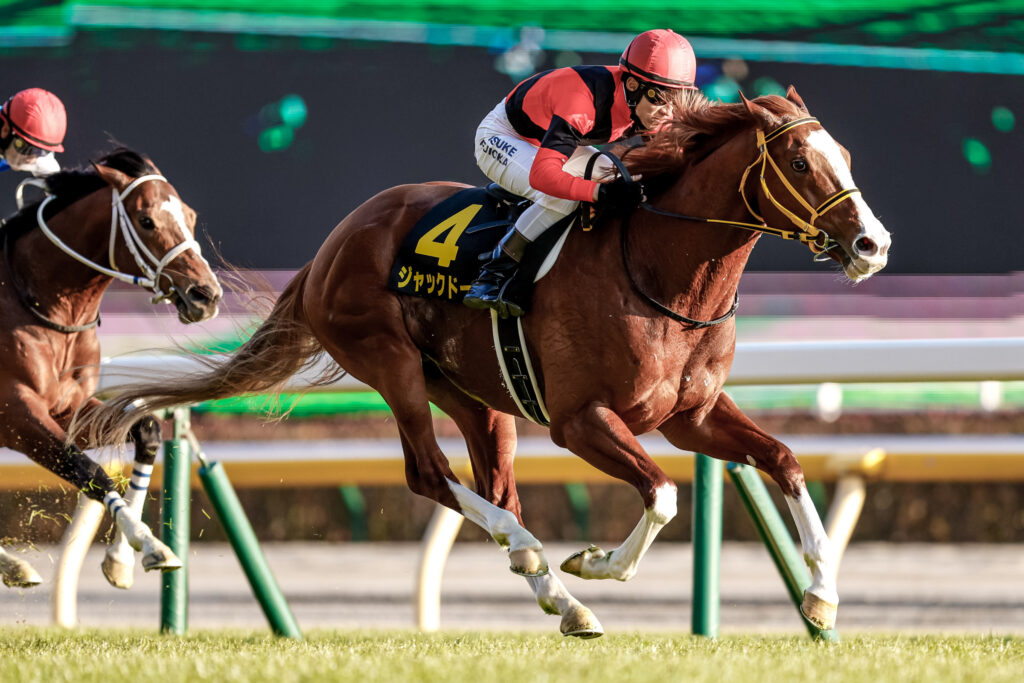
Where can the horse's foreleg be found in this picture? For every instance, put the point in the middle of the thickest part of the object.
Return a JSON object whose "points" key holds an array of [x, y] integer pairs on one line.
{"points": [[598, 436], [119, 560], [821, 599], [16, 572], [42, 439], [726, 433]]}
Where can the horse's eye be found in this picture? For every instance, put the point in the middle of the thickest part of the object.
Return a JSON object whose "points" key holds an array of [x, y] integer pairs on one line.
{"points": [[146, 223], [799, 165]]}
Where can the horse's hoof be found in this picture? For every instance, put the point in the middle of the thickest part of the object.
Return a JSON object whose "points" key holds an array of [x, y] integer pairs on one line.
{"points": [[581, 623], [574, 563], [17, 573], [118, 574], [820, 613], [527, 562], [160, 557]]}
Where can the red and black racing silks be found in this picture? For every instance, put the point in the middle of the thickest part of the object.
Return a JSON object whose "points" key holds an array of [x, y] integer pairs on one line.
{"points": [[562, 109]]}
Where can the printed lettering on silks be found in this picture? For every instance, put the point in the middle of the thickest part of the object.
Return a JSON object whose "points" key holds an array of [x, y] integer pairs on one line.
{"points": [[440, 256], [501, 150]]}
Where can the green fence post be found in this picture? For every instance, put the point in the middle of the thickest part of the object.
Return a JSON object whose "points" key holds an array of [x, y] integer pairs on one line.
{"points": [[773, 532], [579, 501], [355, 505], [175, 525], [247, 549], [707, 543]]}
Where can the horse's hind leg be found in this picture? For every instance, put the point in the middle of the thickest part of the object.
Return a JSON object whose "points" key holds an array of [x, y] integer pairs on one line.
{"points": [[726, 433], [17, 573], [491, 440], [119, 560], [599, 436]]}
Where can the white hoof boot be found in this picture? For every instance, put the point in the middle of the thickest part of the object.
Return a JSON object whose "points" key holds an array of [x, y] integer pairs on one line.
{"points": [[156, 555], [580, 622], [18, 573], [819, 612], [119, 566], [527, 562]]}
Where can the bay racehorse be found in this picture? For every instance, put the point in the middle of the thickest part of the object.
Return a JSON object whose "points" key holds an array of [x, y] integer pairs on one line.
{"points": [[119, 219], [616, 336]]}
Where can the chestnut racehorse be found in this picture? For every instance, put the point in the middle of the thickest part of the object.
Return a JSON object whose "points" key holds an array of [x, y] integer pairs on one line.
{"points": [[124, 214], [607, 333]]}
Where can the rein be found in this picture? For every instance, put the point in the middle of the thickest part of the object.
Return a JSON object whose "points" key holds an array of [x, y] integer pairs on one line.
{"points": [[652, 302], [149, 264]]}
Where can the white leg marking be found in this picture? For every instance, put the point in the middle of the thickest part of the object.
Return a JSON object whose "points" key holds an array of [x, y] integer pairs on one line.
{"points": [[577, 619], [501, 524], [128, 521], [120, 558], [817, 548], [551, 593], [621, 563]]}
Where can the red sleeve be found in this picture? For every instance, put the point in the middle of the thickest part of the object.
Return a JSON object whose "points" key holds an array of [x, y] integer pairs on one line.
{"points": [[547, 176]]}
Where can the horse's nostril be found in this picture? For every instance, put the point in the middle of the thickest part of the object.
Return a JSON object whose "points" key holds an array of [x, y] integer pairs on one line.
{"points": [[199, 294], [865, 246]]}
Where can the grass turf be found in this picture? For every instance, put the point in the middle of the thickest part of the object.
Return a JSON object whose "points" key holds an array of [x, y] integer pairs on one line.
{"points": [[35, 654]]}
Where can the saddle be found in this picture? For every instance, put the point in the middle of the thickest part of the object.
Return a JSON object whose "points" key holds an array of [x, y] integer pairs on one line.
{"points": [[443, 252]]}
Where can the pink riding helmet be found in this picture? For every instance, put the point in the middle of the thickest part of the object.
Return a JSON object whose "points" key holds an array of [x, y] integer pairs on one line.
{"points": [[38, 117], [661, 57]]}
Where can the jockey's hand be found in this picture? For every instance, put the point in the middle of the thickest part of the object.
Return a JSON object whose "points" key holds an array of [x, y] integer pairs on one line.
{"points": [[621, 193]]}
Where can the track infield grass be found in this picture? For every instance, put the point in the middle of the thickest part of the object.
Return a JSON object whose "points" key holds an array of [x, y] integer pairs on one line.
{"points": [[38, 654]]}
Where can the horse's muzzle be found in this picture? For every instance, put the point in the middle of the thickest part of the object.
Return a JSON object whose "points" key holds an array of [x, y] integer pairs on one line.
{"points": [[198, 303], [867, 254]]}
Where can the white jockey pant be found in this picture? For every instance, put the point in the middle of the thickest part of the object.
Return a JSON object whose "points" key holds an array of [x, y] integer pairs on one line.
{"points": [[506, 158]]}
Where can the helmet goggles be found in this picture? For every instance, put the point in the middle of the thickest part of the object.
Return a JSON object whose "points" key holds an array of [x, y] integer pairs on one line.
{"points": [[27, 149]]}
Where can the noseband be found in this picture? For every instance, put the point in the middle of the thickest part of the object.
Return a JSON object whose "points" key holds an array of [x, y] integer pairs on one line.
{"points": [[809, 234], [149, 264]]}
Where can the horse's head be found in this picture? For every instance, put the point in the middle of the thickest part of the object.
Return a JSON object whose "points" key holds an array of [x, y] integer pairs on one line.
{"points": [[802, 178], [158, 243]]}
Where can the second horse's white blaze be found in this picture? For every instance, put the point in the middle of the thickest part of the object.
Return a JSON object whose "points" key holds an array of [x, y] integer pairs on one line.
{"points": [[174, 207]]}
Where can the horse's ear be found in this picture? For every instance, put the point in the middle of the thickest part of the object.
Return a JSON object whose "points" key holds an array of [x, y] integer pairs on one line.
{"points": [[795, 98], [114, 178], [758, 112]]}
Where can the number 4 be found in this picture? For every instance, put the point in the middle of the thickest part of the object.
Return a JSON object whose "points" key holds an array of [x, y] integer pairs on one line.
{"points": [[446, 251]]}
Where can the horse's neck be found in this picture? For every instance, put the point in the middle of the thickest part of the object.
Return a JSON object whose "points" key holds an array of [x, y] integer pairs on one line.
{"points": [[58, 283], [694, 266]]}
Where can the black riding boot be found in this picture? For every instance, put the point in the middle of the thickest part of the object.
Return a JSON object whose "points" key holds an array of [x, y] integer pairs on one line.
{"points": [[485, 292]]}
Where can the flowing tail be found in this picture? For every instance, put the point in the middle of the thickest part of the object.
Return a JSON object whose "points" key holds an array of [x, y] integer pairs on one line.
{"points": [[282, 346]]}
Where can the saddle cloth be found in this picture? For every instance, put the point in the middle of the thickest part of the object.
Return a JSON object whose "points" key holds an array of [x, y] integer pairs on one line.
{"points": [[443, 252]]}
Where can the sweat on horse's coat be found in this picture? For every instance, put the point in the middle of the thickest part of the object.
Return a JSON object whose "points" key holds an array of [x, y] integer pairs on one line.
{"points": [[610, 365]]}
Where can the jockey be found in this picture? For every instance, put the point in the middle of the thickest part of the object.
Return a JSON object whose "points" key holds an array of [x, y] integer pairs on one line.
{"points": [[32, 127], [537, 141]]}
